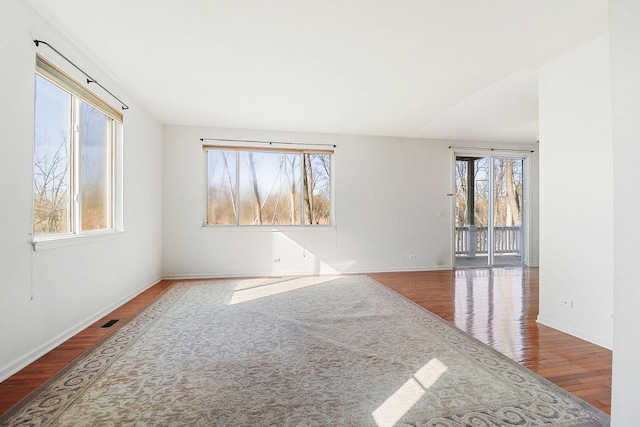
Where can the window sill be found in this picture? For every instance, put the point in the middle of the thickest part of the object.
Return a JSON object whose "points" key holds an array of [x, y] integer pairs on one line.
{"points": [[269, 229], [53, 242]]}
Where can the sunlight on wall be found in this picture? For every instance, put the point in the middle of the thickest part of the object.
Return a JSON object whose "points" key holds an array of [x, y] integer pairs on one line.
{"points": [[400, 402], [287, 246]]}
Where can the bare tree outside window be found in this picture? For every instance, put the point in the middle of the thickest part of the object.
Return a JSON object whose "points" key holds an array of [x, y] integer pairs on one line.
{"points": [[51, 159], [273, 188], [268, 183], [479, 170], [94, 165], [508, 192], [317, 188], [221, 188]]}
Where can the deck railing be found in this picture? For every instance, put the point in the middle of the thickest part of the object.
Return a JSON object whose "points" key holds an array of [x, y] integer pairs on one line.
{"points": [[508, 240]]}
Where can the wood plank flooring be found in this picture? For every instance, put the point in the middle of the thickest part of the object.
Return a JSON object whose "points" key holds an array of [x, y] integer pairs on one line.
{"points": [[497, 306]]}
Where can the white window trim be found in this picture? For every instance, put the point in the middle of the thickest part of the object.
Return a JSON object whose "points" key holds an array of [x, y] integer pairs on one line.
{"points": [[47, 70], [269, 228], [62, 241]]}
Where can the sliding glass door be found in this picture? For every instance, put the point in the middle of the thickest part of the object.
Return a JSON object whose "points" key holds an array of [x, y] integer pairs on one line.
{"points": [[489, 211]]}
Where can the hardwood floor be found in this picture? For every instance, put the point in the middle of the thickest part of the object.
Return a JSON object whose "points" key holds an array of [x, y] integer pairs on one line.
{"points": [[497, 306]]}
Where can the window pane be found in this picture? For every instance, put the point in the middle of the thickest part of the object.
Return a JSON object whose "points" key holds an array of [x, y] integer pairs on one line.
{"points": [[51, 159], [269, 188], [317, 187], [94, 168], [221, 187]]}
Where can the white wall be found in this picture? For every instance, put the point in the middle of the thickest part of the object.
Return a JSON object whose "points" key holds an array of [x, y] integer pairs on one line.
{"points": [[388, 193], [576, 193], [624, 22], [47, 296]]}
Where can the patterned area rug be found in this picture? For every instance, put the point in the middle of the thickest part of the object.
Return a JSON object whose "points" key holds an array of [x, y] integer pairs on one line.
{"points": [[313, 351]]}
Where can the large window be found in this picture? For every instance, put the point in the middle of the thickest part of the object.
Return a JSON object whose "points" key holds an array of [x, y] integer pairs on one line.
{"points": [[259, 187], [74, 157]]}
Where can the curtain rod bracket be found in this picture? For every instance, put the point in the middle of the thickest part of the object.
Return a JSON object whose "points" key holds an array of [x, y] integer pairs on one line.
{"points": [[89, 78]]}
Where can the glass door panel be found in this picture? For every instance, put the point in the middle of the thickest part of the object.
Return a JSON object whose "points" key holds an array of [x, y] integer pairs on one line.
{"points": [[507, 211], [472, 211]]}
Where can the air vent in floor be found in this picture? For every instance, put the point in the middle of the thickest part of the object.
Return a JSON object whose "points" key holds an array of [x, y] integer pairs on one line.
{"points": [[109, 324]]}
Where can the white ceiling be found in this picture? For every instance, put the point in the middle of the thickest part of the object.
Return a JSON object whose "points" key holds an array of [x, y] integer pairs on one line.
{"points": [[458, 69]]}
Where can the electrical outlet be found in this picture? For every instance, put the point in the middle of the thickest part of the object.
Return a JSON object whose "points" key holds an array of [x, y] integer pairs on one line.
{"points": [[412, 257], [276, 260], [566, 303], [610, 315]]}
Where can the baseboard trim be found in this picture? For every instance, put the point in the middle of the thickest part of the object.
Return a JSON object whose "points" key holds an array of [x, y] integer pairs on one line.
{"points": [[575, 332], [181, 276], [25, 360]]}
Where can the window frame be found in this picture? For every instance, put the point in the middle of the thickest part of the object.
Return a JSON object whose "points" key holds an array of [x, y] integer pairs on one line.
{"points": [[266, 227], [114, 193]]}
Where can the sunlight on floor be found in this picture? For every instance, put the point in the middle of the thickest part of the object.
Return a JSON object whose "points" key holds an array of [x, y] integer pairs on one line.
{"points": [[400, 402], [273, 288], [259, 281]]}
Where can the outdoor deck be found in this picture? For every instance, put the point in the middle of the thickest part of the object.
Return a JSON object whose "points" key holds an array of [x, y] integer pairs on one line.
{"points": [[472, 247], [480, 261]]}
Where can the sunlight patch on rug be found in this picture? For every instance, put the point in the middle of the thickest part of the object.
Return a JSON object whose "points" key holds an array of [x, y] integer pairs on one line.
{"points": [[249, 290], [400, 402]]}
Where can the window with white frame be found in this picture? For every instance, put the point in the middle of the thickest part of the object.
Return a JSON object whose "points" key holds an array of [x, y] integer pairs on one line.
{"points": [[249, 186], [75, 157]]}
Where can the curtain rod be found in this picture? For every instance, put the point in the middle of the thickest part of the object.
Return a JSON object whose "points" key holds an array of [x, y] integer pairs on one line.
{"points": [[493, 149], [265, 142], [89, 78]]}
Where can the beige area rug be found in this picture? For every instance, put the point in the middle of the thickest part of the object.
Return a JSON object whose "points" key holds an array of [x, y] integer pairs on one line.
{"points": [[314, 351]]}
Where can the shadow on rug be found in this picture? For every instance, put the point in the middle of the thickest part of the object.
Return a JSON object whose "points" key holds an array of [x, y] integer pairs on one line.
{"points": [[321, 351]]}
